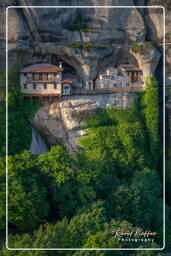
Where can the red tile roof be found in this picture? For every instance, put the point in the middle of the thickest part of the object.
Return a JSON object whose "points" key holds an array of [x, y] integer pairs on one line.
{"points": [[67, 82], [41, 68]]}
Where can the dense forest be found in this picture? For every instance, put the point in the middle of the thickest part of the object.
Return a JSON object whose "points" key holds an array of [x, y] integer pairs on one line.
{"points": [[115, 180]]}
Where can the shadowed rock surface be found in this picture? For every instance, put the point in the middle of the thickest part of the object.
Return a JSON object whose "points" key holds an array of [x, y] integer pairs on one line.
{"points": [[38, 145]]}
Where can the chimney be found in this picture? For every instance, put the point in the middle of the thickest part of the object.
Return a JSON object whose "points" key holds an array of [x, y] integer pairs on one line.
{"points": [[108, 73], [60, 64]]}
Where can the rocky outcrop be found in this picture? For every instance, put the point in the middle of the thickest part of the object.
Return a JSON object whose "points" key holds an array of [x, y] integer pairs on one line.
{"points": [[86, 39], [60, 121], [105, 32], [168, 66], [155, 20], [148, 57], [156, 30], [88, 47]]}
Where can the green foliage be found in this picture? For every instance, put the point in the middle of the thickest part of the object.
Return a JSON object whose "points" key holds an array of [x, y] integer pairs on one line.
{"points": [[142, 48], [79, 24], [67, 193], [151, 115], [89, 46], [148, 253], [20, 111], [85, 115], [134, 47], [116, 152], [86, 46], [65, 233], [168, 175], [88, 229], [2, 86], [27, 195], [2, 193], [116, 139], [56, 163], [83, 28], [143, 193]]}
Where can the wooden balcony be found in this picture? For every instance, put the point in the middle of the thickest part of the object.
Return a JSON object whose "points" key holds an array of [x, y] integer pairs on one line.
{"points": [[53, 80], [41, 95]]}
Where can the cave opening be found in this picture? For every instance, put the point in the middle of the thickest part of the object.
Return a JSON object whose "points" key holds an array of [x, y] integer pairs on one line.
{"points": [[67, 69], [69, 72]]}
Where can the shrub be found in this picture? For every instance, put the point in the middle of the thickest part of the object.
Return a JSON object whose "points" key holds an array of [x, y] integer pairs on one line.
{"points": [[143, 48]]}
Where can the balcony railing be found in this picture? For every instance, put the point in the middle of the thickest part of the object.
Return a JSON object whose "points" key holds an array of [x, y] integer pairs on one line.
{"points": [[52, 80], [109, 90]]}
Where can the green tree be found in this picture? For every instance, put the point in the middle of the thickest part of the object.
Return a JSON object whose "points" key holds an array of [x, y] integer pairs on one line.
{"points": [[151, 113], [2, 193], [27, 195], [139, 201], [87, 230], [66, 192], [148, 253], [20, 110], [64, 233]]}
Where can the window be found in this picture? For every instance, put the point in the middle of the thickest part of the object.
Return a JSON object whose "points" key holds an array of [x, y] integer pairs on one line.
{"points": [[66, 90], [36, 77], [55, 86], [29, 76], [34, 86], [49, 76], [45, 76], [25, 86], [40, 76], [45, 86]]}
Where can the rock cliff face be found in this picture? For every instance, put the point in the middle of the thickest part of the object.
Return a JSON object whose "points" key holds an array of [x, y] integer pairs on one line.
{"points": [[107, 32], [148, 57], [60, 122]]}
